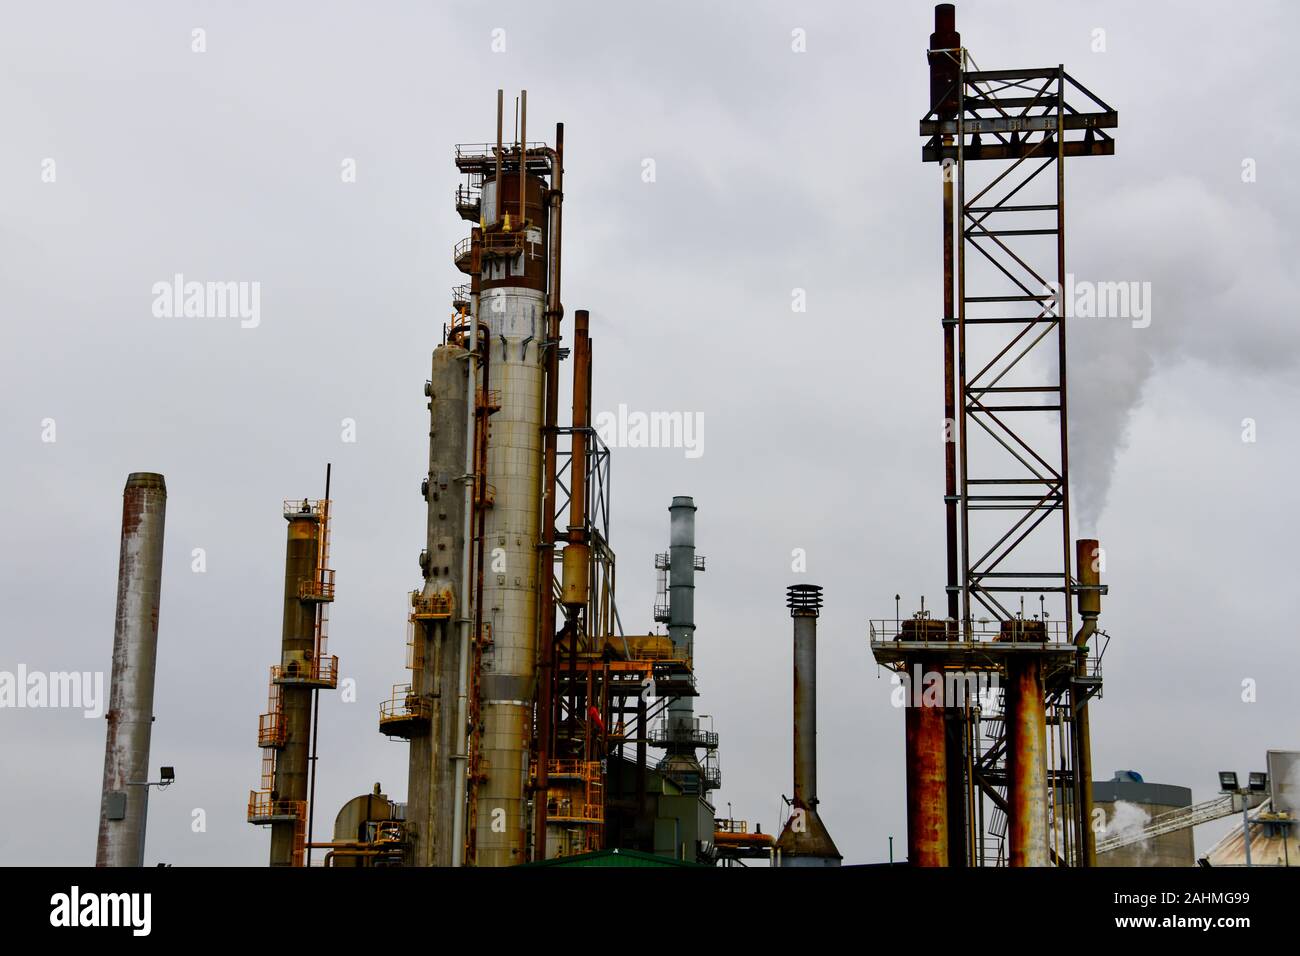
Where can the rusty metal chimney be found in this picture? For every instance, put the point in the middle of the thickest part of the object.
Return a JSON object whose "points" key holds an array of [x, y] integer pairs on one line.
{"points": [[804, 840], [125, 799]]}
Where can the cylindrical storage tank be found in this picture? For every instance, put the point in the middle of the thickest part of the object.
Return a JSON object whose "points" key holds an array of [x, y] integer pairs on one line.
{"points": [[125, 800], [1128, 804]]}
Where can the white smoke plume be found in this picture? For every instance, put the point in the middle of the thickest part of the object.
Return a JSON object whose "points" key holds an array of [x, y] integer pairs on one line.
{"points": [[1127, 819], [1223, 285]]}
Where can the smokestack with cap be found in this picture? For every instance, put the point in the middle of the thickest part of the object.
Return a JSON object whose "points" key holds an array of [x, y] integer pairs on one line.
{"points": [[944, 56], [804, 840]]}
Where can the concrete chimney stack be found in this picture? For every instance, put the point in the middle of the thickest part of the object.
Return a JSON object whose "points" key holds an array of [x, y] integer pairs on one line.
{"points": [[125, 800]]}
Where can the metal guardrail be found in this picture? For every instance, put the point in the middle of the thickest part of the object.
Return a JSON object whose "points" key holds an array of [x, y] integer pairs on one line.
{"points": [[318, 588], [322, 671], [437, 607], [404, 704], [270, 730], [262, 805], [476, 150], [941, 632], [294, 507], [694, 736]]}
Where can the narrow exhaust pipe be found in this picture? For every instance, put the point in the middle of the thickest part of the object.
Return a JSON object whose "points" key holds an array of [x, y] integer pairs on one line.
{"points": [[805, 840]]}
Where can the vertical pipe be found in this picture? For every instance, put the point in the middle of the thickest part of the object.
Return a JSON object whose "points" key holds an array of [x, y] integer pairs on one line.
{"points": [[804, 840], [681, 601], [464, 613], [927, 793], [578, 458], [943, 76], [125, 800], [315, 701], [805, 708], [641, 734], [1088, 568], [1026, 723], [523, 156], [498, 202], [546, 555]]}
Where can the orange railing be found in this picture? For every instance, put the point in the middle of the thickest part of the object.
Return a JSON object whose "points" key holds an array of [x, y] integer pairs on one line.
{"points": [[404, 704], [322, 671], [584, 803], [435, 607], [263, 806], [270, 730], [319, 588]]}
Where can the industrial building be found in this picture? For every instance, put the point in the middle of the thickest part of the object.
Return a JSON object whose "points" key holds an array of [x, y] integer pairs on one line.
{"points": [[1128, 803]]}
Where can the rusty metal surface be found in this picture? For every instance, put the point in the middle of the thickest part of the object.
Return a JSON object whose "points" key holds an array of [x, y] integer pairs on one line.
{"points": [[545, 695], [1009, 455], [927, 796], [1026, 723], [297, 640], [129, 716], [436, 663]]}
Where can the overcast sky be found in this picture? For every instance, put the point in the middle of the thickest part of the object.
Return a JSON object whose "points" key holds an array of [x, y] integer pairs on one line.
{"points": [[775, 170]]}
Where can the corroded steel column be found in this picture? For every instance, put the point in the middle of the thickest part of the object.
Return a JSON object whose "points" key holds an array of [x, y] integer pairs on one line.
{"points": [[927, 796], [125, 799], [297, 661], [1087, 566], [1026, 763], [432, 793]]}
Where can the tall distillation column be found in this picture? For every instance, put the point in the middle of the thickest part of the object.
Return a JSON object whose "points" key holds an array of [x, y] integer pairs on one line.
{"points": [[125, 800], [296, 676], [436, 650], [285, 732], [681, 735], [512, 314]]}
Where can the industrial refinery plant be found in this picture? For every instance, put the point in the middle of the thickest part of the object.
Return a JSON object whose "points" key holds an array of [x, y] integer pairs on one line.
{"points": [[544, 723]]}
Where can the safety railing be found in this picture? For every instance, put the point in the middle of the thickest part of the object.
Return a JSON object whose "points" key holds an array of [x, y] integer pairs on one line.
{"points": [[667, 735], [404, 704], [322, 671], [468, 197], [264, 807], [929, 630], [295, 507], [270, 729], [434, 607], [319, 587], [481, 150]]}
